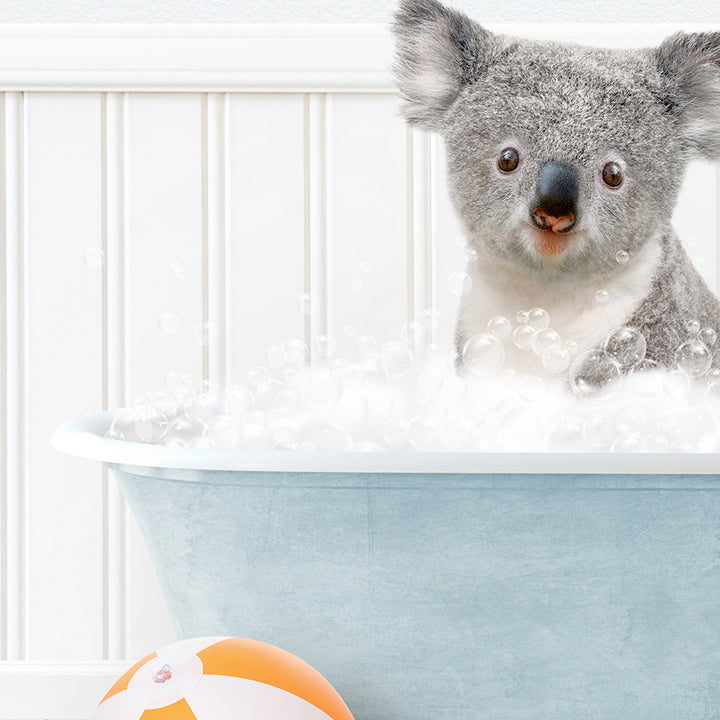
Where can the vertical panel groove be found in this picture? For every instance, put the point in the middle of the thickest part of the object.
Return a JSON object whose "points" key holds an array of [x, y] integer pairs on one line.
{"points": [[14, 464], [3, 392], [214, 234], [113, 174], [317, 231]]}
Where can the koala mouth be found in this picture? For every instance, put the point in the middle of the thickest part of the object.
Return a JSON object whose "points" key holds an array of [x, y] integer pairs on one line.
{"points": [[552, 241]]}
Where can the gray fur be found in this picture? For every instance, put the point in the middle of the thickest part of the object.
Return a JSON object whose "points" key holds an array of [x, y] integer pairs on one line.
{"points": [[652, 109]]}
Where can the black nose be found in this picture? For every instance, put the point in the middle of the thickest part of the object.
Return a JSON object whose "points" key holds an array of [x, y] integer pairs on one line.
{"points": [[556, 194]]}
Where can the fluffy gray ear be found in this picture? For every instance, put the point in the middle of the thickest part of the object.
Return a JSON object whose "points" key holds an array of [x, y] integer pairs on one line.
{"points": [[691, 63], [437, 52]]}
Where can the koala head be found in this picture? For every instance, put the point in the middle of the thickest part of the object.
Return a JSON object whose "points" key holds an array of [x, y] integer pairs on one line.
{"points": [[559, 156]]}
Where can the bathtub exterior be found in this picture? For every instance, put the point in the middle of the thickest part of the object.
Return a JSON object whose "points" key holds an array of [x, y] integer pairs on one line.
{"points": [[449, 596]]}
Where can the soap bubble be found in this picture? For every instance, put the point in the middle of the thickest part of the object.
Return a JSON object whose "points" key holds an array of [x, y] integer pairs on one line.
{"points": [[622, 256], [693, 358], [178, 270], [328, 437], [169, 323], [258, 377], [538, 319], [431, 319], [307, 304], [522, 317], [94, 257], [199, 410], [599, 431], [431, 379], [396, 432], [349, 330], [602, 296], [530, 388], [522, 337], [287, 400], [205, 332], [522, 429], [295, 351], [237, 400], [483, 354], [287, 432], [460, 283], [413, 333], [351, 410], [367, 346], [150, 430], [556, 359], [457, 433], [500, 327], [114, 434], [708, 337], [627, 442], [223, 431], [631, 419], [693, 327], [423, 432], [254, 423], [275, 356], [460, 241], [544, 340], [592, 374], [626, 346], [365, 266], [656, 443], [321, 388], [396, 357], [164, 402], [471, 255], [324, 346], [357, 286]]}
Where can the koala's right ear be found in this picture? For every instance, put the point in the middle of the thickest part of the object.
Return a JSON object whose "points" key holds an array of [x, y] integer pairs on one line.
{"points": [[438, 51]]}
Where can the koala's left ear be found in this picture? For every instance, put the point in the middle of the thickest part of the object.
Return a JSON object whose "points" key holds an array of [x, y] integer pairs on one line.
{"points": [[691, 64]]}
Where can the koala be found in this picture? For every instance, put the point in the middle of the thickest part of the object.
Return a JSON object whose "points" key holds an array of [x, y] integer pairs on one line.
{"points": [[564, 165]]}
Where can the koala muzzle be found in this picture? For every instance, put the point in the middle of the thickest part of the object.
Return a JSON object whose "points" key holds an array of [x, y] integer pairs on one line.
{"points": [[556, 197]]}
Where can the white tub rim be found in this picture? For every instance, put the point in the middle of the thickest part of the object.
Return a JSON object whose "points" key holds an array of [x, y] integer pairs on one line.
{"points": [[84, 437]]}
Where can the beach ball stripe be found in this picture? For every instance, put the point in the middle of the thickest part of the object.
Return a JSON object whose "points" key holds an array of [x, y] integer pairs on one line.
{"points": [[222, 679]]}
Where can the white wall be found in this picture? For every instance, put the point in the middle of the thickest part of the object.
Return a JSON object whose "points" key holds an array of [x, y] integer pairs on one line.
{"points": [[275, 166]]}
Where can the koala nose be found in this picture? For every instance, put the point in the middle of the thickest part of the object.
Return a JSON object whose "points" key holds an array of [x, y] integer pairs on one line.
{"points": [[556, 196]]}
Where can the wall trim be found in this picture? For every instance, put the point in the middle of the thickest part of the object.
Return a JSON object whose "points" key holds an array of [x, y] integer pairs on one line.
{"points": [[250, 58]]}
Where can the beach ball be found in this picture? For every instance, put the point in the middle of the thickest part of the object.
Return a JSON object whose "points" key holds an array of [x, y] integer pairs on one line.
{"points": [[222, 678]]}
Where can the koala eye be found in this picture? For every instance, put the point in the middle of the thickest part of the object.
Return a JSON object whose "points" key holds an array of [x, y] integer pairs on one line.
{"points": [[509, 160], [612, 175]]}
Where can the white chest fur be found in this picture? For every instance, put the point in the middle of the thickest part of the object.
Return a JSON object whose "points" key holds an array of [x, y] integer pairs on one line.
{"points": [[577, 312]]}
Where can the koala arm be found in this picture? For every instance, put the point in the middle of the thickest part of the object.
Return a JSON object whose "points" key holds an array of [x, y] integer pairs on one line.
{"points": [[678, 296]]}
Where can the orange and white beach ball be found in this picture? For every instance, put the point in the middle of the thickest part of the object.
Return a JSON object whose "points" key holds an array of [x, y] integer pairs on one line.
{"points": [[222, 679]]}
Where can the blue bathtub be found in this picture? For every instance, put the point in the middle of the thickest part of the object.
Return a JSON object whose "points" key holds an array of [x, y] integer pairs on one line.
{"points": [[440, 586]]}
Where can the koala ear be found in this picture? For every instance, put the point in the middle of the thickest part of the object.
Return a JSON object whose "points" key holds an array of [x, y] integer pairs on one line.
{"points": [[438, 51], [691, 63]]}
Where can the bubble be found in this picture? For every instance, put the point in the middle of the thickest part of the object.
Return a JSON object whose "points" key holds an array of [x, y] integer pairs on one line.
{"points": [[205, 332], [626, 346], [254, 423], [223, 431], [438, 354], [483, 354], [457, 434], [499, 327], [599, 431], [460, 241], [174, 380], [693, 358], [592, 374], [460, 283], [163, 402], [530, 388], [396, 432], [180, 429], [693, 327], [178, 270], [522, 337], [571, 346], [349, 330], [287, 400], [351, 410], [275, 356], [423, 432], [169, 323], [258, 377], [431, 379], [324, 346], [367, 346], [150, 430], [365, 266], [328, 437], [287, 432], [538, 319], [199, 410], [522, 429], [602, 296], [544, 340], [708, 337], [622, 256], [556, 359], [357, 286], [471, 255], [237, 399], [627, 443], [431, 319], [114, 434], [396, 357], [321, 388], [522, 317], [307, 304], [631, 419], [295, 351], [656, 443], [413, 333], [94, 257]]}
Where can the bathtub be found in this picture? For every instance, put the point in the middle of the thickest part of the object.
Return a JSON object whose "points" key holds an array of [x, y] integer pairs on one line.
{"points": [[440, 586]]}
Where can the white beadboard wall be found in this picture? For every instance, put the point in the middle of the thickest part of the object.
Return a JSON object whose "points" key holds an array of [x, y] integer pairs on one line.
{"points": [[268, 162]]}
